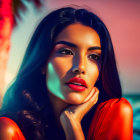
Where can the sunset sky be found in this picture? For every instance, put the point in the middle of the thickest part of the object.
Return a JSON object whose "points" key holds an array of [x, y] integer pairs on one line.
{"points": [[122, 18]]}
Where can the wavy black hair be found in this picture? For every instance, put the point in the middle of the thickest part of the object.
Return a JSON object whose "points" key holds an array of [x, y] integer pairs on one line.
{"points": [[26, 101]]}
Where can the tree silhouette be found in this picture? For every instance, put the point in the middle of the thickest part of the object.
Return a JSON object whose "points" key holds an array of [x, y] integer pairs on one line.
{"points": [[9, 14]]}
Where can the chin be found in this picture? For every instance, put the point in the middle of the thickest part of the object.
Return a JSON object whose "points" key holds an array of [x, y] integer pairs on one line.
{"points": [[74, 100]]}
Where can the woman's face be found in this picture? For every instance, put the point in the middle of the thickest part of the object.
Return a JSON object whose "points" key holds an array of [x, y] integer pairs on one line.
{"points": [[73, 67]]}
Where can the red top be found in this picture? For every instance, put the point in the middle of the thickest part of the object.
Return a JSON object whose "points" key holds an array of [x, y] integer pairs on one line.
{"points": [[9, 130], [113, 120]]}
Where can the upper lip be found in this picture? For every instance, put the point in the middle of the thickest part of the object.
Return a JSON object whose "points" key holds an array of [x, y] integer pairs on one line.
{"points": [[76, 80]]}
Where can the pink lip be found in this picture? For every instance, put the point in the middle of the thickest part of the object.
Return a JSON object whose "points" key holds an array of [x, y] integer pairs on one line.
{"points": [[77, 84]]}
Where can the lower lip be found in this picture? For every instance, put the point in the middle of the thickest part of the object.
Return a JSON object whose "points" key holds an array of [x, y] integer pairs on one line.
{"points": [[76, 87]]}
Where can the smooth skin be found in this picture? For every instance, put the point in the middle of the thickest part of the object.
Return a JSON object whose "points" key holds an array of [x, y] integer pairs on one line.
{"points": [[76, 53], [65, 58]]}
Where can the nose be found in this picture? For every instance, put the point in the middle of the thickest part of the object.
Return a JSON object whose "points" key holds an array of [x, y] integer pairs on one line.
{"points": [[79, 65]]}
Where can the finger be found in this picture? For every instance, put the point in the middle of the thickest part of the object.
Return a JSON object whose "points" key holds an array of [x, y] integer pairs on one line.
{"points": [[85, 107], [90, 95], [93, 99]]}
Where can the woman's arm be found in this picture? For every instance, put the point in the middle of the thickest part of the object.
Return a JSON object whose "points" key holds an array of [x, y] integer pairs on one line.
{"points": [[71, 118], [9, 130], [72, 128]]}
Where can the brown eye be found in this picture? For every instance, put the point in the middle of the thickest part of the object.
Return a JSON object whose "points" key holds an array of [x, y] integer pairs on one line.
{"points": [[94, 57], [66, 52]]}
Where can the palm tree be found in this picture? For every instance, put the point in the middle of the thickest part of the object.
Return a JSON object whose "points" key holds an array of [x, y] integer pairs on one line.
{"points": [[9, 14]]}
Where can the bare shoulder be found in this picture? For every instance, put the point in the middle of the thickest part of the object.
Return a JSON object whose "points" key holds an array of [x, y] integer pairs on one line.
{"points": [[9, 129]]}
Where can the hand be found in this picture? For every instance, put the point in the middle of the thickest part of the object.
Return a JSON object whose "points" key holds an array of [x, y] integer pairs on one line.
{"points": [[71, 118], [77, 112]]}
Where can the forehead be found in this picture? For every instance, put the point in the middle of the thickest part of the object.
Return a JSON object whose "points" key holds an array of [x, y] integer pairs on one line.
{"points": [[79, 34]]}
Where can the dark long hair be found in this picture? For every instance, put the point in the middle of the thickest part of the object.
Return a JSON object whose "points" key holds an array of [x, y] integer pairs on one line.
{"points": [[26, 101]]}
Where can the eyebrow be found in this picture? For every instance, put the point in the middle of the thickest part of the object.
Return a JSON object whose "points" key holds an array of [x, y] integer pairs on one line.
{"points": [[75, 46]]}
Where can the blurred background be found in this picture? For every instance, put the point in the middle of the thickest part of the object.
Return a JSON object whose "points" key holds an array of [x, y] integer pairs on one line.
{"points": [[122, 18]]}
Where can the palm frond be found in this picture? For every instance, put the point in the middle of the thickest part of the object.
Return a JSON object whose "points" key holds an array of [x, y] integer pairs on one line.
{"points": [[20, 6]]}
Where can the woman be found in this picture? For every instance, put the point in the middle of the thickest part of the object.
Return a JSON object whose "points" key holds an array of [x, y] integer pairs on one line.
{"points": [[69, 60]]}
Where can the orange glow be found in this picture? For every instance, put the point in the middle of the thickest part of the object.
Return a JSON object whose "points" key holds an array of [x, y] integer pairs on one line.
{"points": [[6, 26]]}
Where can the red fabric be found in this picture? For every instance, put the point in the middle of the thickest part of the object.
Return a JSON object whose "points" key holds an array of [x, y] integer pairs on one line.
{"points": [[9, 130], [113, 120]]}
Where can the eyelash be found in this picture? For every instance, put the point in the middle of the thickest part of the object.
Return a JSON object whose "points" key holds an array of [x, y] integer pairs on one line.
{"points": [[66, 52], [93, 57]]}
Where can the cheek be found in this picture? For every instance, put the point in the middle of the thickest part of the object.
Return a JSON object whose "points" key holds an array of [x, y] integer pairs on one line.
{"points": [[93, 73], [62, 66], [53, 81], [57, 68]]}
